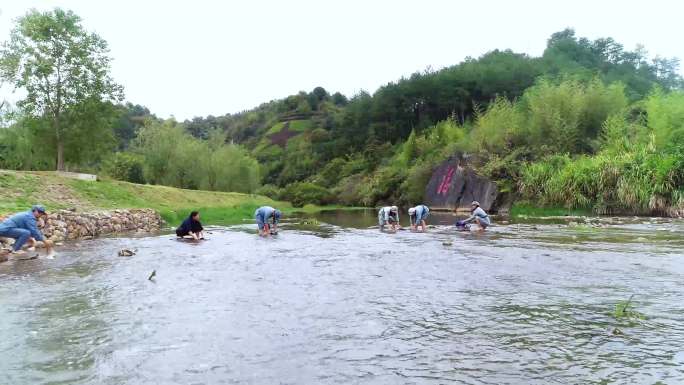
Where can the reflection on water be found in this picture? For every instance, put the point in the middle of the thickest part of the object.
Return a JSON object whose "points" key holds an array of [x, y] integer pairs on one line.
{"points": [[331, 301], [365, 218]]}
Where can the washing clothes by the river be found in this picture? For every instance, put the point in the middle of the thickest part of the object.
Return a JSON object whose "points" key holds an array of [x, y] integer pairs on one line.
{"points": [[21, 231]]}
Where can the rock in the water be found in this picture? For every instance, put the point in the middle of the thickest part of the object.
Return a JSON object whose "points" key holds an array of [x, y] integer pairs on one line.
{"points": [[455, 185], [126, 253], [27, 257]]}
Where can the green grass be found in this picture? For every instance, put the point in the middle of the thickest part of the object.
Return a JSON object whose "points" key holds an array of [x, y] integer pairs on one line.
{"points": [[309, 208], [213, 215], [276, 128], [261, 146], [526, 209], [21, 190], [300, 125], [625, 310], [294, 125], [17, 191]]}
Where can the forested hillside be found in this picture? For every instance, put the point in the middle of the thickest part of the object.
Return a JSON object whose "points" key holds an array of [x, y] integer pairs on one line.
{"points": [[543, 127], [589, 124]]}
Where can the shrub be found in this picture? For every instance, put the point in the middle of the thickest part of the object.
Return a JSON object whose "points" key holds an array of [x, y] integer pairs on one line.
{"points": [[174, 158], [230, 168], [24, 146], [355, 164], [302, 193], [348, 191], [125, 166], [383, 185], [413, 187], [331, 174], [568, 117], [270, 191], [642, 181], [494, 130], [665, 113]]}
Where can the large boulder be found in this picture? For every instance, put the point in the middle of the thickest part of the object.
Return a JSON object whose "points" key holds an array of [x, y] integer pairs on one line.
{"points": [[454, 185]]}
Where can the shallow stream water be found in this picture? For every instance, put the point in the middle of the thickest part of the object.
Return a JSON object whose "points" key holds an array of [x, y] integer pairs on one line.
{"points": [[330, 300]]}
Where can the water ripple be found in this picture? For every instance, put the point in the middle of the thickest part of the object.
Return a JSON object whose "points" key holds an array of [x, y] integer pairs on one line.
{"points": [[522, 304]]}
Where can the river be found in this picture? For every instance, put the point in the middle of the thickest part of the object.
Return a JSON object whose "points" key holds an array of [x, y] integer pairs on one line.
{"points": [[329, 300]]}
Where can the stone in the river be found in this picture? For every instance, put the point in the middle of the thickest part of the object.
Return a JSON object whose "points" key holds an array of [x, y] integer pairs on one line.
{"points": [[455, 184], [126, 253]]}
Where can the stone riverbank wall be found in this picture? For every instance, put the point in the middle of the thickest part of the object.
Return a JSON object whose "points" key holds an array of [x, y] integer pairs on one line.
{"points": [[64, 224]]}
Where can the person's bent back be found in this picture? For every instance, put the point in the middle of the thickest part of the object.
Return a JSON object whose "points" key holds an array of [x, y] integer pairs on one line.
{"points": [[417, 217], [265, 214], [24, 226], [479, 216], [388, 215], [191, 226]]}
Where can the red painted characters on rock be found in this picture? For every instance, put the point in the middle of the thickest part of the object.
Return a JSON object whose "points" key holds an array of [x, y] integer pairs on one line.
{"points": [[443, 188]]}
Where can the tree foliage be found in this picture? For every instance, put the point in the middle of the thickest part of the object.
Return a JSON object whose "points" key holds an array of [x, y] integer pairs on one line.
{"points": [[173, 157], [587, 124], [63, 69]]}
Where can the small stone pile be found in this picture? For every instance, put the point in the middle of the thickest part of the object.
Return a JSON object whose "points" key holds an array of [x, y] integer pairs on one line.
{"points": [[70, 224]]}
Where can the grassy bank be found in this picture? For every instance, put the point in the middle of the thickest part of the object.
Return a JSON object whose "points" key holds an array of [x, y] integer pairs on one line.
{"points": [[20, 190], [527, 209]]}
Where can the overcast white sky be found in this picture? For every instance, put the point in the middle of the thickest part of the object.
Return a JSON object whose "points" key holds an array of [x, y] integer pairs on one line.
{"points": [[200, 57]]}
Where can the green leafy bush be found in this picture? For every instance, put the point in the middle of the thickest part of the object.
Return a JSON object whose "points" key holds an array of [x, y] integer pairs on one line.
{"points": [[412, 189], [302, 193], [665, 114], [331, 174], [174, 158], [125, 166], [348, 191], [270, 191]]}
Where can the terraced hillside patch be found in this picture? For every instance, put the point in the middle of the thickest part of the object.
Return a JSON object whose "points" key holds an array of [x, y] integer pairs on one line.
{"points": [[281, 132]]}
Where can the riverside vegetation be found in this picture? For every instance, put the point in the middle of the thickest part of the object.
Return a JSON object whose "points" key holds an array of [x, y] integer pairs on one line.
{"points": [[588, 125], [21, 189]]}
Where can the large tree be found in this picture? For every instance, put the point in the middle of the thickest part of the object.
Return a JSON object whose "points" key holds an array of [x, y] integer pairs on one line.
{"points": [[60, 66]]}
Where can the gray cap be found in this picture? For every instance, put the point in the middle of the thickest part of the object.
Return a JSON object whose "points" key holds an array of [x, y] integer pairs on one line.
{"points": [[38, 208], [475, 203]]}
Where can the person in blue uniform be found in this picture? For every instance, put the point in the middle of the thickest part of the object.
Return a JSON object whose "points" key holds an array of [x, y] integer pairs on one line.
{"points": [[388, 216], [23, 227], [267, 219], [417, 216], [478, 216]]}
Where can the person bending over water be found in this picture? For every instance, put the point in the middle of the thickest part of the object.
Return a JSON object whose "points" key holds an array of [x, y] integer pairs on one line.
{"points": [[265, 214], [478, 216], [23, 227], [417, 217], [389, 215], [191, 226]]}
